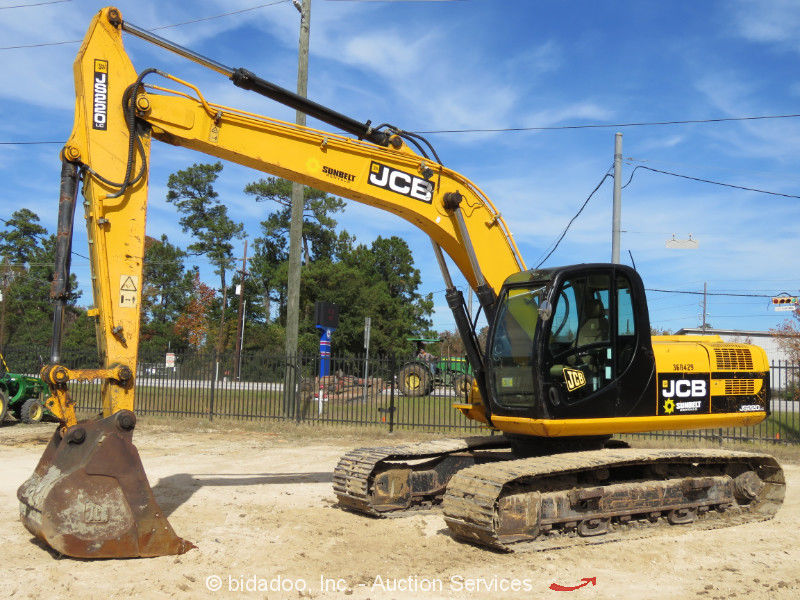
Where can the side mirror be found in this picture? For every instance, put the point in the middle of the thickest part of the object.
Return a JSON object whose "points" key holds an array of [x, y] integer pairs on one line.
{"points": [[545, 310]]}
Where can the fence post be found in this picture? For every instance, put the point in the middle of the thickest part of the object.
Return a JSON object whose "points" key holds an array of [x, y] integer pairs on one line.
{"points": [[297, 393], [392, 367], [214, 368], [289, 376]]}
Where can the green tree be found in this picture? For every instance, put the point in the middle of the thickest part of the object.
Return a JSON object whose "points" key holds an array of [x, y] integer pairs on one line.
{"points": [[21, 240], [192, 191], [166, 292], [27, 257], [271, 248], [379, 281]]}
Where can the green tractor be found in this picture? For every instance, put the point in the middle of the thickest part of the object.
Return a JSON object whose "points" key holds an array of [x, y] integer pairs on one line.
{"points": [[420, 376], [21, 395]]}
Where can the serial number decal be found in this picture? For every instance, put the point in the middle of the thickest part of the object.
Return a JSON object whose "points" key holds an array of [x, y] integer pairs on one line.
{"points": [[400, 182], [337, 173], [682, 367], [100, 95]]}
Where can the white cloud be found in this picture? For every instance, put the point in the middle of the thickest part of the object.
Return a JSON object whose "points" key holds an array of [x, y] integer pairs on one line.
{"points": [[775, 22], [586, 110]]}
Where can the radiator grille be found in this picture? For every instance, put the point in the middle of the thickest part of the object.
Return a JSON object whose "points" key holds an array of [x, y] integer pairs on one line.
{"points": [[733, 359], [740, 387]]}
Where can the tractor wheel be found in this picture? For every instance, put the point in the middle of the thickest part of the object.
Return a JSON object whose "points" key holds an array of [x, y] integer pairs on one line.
{"points": [[32, 411], [415, 380], [462, 385], [3, 405]]}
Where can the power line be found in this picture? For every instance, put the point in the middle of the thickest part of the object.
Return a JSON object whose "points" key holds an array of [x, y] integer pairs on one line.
{"points": [[26, 143], [499, 130], [157, 28], [44, 238], [35, 4], [572, 220], [226, 14], [396, 1], [40, 45], [611, 125], [708, 294], [701, 180], [712, 317]]}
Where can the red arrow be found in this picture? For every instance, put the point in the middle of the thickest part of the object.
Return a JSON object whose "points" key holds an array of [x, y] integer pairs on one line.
{"points": [[586, 581]]}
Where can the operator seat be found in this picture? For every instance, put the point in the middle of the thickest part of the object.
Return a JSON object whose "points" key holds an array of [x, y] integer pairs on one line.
{"points": [[595, 328]]}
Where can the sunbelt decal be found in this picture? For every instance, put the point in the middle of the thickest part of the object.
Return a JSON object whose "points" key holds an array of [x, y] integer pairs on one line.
{"points": [[682, 394], [100, 97], [400, 182]]}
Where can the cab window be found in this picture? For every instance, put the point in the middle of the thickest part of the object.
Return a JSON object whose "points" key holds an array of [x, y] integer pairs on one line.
{"points": [[626, 325], [580, 353], [511, 350]]}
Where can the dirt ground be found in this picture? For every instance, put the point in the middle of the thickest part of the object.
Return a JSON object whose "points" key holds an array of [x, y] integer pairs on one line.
{"points": [[259, 505]]}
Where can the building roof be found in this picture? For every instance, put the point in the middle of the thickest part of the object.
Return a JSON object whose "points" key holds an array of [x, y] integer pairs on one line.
{"points": [[737, 332]]}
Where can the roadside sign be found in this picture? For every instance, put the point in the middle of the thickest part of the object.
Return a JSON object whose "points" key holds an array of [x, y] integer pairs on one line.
{"points": [[367, 327], [170, 360]]}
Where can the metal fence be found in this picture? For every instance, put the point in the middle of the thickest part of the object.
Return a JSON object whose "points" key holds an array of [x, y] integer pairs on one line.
{"points": [[358, 392]]}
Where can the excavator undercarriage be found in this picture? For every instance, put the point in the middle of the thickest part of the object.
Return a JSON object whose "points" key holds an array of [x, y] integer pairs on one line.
{"points": [[492, 498]]}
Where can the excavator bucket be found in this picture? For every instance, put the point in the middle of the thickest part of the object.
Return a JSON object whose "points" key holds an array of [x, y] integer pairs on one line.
{"points": [[89, 496]]}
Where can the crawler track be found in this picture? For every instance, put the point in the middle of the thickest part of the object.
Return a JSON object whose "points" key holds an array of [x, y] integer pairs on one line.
{"points": [[597, 496], [397, 479]]}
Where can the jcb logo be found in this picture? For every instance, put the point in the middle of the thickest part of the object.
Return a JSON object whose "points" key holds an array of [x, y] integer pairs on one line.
{"points": [[684, 388], [95, 513], [100, 97], [682, 394], [400, 182], [575, 379]]}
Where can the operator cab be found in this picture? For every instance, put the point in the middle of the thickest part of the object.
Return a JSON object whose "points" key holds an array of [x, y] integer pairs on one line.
{"points": [[571, 342]]}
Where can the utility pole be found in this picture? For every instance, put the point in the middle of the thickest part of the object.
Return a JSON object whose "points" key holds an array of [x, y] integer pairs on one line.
{"points": [[617, 218], [296, 219], [291, 401], [705, 304], [237, 357]]}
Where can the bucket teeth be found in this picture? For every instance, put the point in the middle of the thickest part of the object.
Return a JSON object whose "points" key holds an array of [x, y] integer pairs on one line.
{"points": [[89, 496]]}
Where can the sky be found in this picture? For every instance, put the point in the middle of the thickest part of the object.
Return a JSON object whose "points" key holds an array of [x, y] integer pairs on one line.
{"points": [[482, 64]]}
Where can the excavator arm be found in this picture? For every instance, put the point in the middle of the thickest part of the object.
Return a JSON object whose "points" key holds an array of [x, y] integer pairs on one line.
{"points": [[118, 111]]}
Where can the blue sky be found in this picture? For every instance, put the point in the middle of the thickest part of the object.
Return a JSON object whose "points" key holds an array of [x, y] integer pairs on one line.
{"points": [[486, 64]]}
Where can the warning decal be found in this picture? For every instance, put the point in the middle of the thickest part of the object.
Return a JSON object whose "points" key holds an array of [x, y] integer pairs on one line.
{"points": [[128, 286]]}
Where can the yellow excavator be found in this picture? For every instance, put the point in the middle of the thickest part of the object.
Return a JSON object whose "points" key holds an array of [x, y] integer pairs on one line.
{"points": [[569, 359]]}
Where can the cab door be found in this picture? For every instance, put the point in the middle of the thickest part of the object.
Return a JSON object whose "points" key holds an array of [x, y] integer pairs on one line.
{"points": [[590, 351]]}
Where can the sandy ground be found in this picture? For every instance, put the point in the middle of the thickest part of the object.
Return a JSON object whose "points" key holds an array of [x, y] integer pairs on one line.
{"points": [[260, 507]]}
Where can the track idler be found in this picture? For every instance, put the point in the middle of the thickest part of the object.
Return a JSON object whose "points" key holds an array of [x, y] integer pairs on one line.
{"points": [[89, 496]]}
